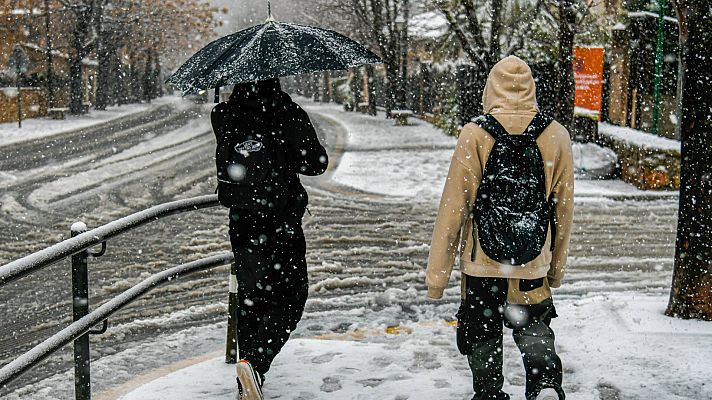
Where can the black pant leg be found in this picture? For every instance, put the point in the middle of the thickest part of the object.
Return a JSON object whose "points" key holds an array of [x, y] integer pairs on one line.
{"points": [[249, 316], [479, 334], [281, 312], [272, 279], [536, 343]]}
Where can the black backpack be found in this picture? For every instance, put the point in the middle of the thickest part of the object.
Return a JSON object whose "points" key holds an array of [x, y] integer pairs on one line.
{"points": [[511, 211], [251, 162]]}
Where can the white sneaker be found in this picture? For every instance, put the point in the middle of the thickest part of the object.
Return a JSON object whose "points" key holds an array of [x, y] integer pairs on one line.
{"points": [[548, 394], [250, 382]]}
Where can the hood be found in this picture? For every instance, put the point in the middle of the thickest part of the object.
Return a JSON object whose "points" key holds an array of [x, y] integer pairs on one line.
{"points": [[257, 94], [510, 94]]}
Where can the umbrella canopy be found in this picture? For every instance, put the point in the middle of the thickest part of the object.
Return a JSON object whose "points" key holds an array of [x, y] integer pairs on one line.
{"points": [[271, 50]]}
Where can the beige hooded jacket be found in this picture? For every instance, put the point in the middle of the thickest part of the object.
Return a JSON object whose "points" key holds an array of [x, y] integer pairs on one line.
{"points": [[510, 96]]}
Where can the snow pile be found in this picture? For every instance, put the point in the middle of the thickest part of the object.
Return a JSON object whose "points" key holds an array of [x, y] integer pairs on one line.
{"points": [[638, 138], [592, 160]]}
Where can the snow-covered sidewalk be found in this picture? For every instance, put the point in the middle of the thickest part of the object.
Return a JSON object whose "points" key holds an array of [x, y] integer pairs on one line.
{"points": [[42, 127], [614, 343], [614, 346]]}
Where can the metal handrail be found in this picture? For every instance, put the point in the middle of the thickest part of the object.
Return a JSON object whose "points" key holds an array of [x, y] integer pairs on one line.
{"points": [[44, 258], [82, 326], [77, 247]]}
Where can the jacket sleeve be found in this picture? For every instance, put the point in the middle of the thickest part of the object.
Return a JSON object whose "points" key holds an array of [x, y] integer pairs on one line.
{"points": [[563, 197], [307, 155], [455, 205]]}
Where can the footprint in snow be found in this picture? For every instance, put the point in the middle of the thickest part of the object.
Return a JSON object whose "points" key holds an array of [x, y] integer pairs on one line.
{"points": [[371, 382], [331, 384], [324, 358], [441, 383], [305, 396], [382, 361]]}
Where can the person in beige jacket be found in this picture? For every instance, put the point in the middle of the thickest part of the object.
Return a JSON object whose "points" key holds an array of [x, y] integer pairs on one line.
{"points": [[493, 293]]}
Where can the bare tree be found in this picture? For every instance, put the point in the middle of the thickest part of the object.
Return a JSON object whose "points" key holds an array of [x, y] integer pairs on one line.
{"points": [[691, 294], [380, 24], [84, 34], [147, 30], [478, 26]]}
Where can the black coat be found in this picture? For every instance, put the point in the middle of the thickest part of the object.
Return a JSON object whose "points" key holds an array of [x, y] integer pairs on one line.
{"points": [[304, 155]]}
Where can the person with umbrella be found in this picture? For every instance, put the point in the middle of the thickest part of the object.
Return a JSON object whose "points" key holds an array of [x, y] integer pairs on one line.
{"points": [[265, 141], [268, 242]]}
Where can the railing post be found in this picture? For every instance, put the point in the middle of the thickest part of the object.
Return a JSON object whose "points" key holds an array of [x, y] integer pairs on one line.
{"points": [[80, 308], [231, 342]]}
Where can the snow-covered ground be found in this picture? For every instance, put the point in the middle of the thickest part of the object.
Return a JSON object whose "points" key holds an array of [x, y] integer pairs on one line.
{"points": [[42, 127], [614, 341], [412, 161], [608, 343], [367, 274]]}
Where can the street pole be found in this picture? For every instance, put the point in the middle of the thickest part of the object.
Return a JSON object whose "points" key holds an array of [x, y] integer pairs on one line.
{"points": [[19, 98], [658, 67], [20, 63], [50, 83]]}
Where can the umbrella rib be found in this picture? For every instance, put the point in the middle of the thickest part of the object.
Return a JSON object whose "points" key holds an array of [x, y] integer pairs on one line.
{"points": [[318, 39], [251, 43]]}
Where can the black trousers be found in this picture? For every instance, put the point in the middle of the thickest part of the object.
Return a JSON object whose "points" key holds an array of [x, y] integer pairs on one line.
{"points": [[272, 283], [481, 317]]}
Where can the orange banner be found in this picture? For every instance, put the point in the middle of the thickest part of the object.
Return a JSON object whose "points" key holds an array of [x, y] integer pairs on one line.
{"points": [[588, 75]]}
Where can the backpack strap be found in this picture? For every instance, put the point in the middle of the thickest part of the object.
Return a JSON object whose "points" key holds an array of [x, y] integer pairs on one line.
{"points": [[491, 125], [538, 124]]}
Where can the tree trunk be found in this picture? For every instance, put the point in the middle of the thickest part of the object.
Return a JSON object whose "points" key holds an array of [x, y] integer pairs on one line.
{"points": [[691, 294], [496, 27], [103, 74], [157, 84], [566, 85], [76, 83], [391, 85], [370, 74], [122, 85], [403, 59], [146, 84], [326, 88], [134, 79], [356, 87]]}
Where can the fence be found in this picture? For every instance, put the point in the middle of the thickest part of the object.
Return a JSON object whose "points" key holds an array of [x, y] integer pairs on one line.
{"points": [[77, 247]]}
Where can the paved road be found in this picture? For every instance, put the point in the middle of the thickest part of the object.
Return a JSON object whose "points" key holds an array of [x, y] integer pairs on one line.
{"points": [[360, 244]]}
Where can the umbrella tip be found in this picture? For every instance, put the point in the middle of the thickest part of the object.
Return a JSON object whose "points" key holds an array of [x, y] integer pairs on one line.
{"points": [[270, 18]]}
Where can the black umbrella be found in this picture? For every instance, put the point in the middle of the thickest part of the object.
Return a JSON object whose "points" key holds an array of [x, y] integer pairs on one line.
{"points": [[271, 50]]}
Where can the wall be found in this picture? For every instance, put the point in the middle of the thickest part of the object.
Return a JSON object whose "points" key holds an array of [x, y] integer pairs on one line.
{"points": [[649, 162], [34, 103]]}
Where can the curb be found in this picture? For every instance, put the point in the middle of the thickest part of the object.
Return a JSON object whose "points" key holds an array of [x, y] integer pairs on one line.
{"points": [[135, 383]]}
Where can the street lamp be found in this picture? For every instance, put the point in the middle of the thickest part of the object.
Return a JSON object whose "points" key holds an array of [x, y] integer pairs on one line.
{"points": [[402, 27]]}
